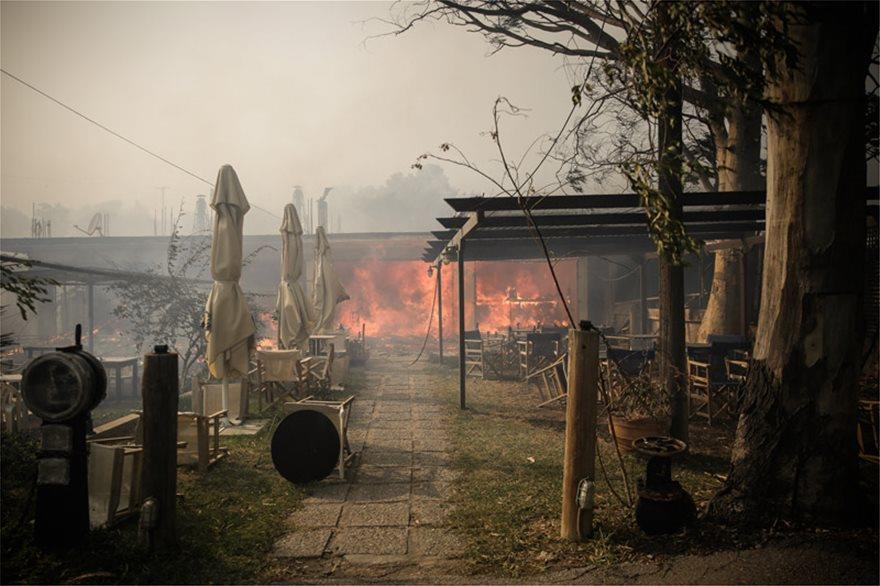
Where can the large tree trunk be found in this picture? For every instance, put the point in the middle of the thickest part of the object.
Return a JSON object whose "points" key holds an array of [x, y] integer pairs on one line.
{"points": [[794, 454], [738, 160]]}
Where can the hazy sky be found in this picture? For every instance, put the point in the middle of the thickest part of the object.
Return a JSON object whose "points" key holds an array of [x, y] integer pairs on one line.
{"points": [[285, 92]]}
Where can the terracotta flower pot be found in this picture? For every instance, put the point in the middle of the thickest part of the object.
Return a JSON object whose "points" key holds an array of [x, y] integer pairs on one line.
{"points": [[628, 430]]}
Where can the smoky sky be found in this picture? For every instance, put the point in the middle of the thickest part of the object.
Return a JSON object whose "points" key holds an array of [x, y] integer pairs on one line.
{"points": [[288, 93]]}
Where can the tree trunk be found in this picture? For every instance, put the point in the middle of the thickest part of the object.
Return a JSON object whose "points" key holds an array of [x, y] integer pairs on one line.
{"points": [[671, 286], [794, 454], [738, 160]]}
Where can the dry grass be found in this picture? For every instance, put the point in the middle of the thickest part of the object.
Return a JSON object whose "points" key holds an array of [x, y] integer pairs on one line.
{"points": [[508, 495], [228, 521]]}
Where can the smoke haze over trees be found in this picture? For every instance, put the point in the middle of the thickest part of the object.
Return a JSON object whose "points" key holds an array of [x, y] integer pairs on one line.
{"points": [[405, 202]]}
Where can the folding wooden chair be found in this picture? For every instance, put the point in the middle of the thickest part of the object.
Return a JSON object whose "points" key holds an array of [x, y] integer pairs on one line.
{"points": [[552, 381], [277, 375], [199, 439], [315, 372], [207, 398], [114, 481], [474, 361]]}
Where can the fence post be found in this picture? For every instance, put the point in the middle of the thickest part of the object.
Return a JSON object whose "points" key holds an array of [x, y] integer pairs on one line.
{"points": [[580, 433], [159, 477]]}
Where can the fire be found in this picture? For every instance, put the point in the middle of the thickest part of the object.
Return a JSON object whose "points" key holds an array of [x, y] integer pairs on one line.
{"points": [[521, 294], [267, 331], [393, 298]]}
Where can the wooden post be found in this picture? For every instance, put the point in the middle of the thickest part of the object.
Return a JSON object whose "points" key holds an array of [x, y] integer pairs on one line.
{"points": [[743, 293], [440, 309], [91, 289], [583, 308], [461, 367], [580, 432], [643, 298], [159, 476]]}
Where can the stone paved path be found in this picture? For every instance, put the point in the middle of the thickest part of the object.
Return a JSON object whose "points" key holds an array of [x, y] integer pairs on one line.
{"points": [[393, 506]]}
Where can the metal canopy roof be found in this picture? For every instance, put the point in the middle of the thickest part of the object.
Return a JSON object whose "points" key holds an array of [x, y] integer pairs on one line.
{"points": [[495, 228]]}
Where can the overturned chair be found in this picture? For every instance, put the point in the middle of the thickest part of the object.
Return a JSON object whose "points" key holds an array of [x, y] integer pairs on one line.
{"points": [[312, 440]]}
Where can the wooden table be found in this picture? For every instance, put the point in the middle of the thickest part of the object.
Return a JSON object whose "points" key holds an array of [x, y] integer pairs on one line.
{"points": [[318, 343], [117, 364]]}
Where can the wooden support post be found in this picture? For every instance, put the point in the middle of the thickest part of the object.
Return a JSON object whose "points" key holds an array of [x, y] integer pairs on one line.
{"points": [[91, 289], [583, 284], [580, 432], [461, 368], [440, 310], [743, 293], [159, 476], [643, 298]]}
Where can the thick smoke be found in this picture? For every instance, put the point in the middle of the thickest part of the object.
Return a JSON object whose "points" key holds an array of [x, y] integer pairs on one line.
{"points": [[405, 203]]}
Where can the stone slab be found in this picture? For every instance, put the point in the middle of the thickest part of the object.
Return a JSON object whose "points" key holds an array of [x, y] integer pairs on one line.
{"points": [[374, 493], [384, 457], [375, 515], [249, 427], [303, 544], [326, 493], [431, 512], [383, 474], [316, 515], [369, 540]]}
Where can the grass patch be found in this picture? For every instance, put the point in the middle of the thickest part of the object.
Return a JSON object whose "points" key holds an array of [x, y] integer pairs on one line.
{"points": [[508, 494], [228, 521]]}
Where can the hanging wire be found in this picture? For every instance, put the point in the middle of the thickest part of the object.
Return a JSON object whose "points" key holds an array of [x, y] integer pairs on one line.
{"points": [[430, 318], [121, 137]]}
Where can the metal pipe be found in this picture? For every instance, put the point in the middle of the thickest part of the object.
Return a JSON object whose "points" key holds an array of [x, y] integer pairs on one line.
{"points": [[440, 309], [461, 371]]}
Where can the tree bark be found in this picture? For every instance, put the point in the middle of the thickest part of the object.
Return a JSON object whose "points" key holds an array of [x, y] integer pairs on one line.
{"points": [[794, 455], [738, 160]]}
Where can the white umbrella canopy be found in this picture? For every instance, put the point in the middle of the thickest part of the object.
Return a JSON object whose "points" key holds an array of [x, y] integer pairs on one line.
{"points": [[229, 327], [327, 291], [294, 311]]}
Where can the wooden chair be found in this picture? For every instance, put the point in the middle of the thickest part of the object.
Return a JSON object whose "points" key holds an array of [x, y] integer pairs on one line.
{"points": [[552, 381], [114, 480], [207, 397], [277, 375], [538, 350], [474, 361], [199, 439], [315, 372], [338, 413], [710, 397]]}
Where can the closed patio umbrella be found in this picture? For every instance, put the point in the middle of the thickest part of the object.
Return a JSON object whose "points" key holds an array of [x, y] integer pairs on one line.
{"points": [[327, 291], [294, 311], [229, 327]]}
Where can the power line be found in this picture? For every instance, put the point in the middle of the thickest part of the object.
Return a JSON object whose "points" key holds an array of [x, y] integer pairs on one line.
{"points": [[121, 137]]}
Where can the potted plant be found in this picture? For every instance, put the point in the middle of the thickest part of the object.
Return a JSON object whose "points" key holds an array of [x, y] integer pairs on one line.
{"points": [[639, 408]]}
